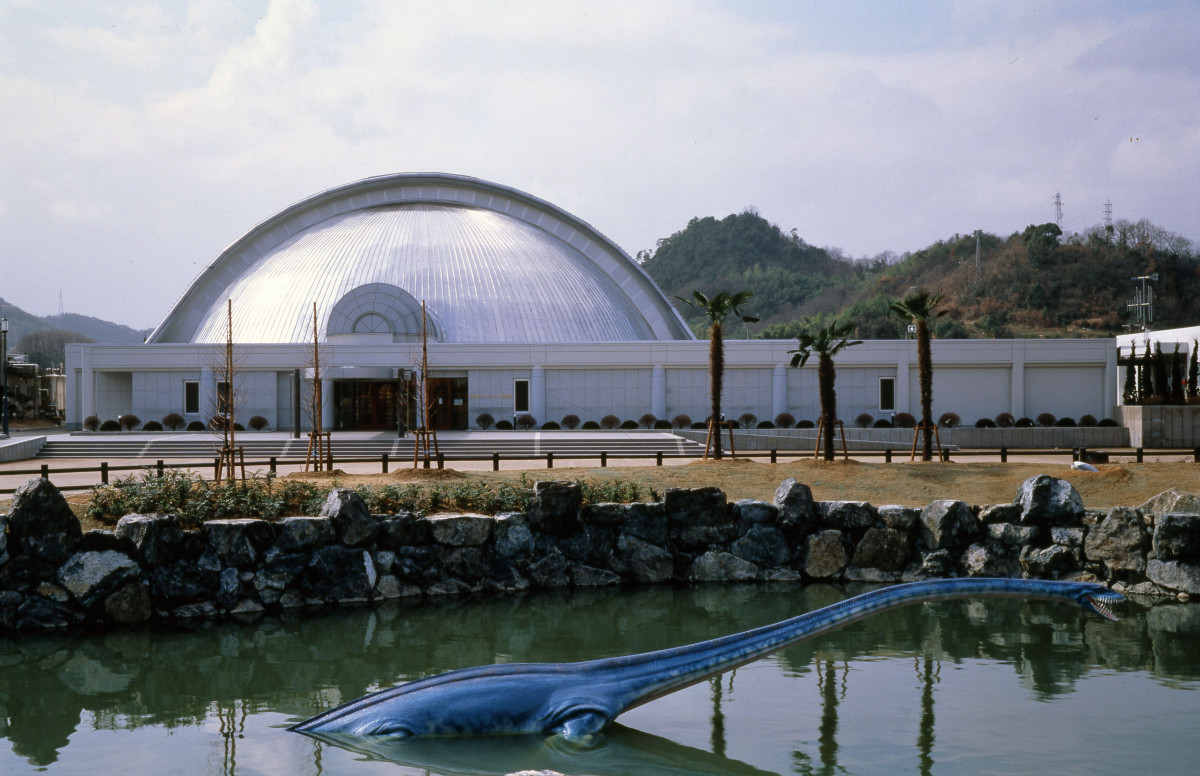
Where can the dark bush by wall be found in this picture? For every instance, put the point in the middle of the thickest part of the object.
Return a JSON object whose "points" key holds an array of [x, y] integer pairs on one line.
{"points": [[570, 421], [152, 425], [526, 422], [765, 424], [110, 425], [785, 420], [1088, 421], [949, 420], [129, 422], [91, 423], [648, 420], [985, 423], [905, 420], [699, 426], [550, 425], [590, 425], [1046, 419], [258, 423], [504, 425], [1108, 423], [864, 420], [681, 421], [1065, 422], [629, 425], [485, 421], [610, 422], [1024, 423], [806, 424], [195, 425], [747, 419], [882, 423], [174, 421], [662, 425], [1005, 420]]}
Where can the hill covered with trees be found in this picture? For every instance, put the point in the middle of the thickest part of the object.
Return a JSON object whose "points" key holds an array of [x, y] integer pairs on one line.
{"points": [[1032, 283]]}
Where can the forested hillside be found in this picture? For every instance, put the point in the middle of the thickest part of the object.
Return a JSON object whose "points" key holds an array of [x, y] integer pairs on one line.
{"points": [[1032, 283]]}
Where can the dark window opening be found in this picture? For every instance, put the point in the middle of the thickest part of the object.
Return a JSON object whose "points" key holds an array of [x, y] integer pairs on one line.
{"points": [[191, 398], [887, 394], [520, 396]]}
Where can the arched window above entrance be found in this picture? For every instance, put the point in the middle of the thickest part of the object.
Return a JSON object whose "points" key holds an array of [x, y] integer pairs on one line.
{"points": [[380, 309]]}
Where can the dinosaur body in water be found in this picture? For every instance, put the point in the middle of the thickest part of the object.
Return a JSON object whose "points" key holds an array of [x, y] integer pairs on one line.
{"points": [[575, 700]]}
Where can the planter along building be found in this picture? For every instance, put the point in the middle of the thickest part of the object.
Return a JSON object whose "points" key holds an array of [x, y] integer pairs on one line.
{"points": [[527, 310]]}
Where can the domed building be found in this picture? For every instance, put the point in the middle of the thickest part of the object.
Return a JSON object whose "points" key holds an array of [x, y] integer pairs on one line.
{"points": [[521, 307]]}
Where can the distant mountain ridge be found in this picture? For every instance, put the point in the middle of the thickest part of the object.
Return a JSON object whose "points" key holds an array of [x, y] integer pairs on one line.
{"points": [[21, 323], [1033, 283]]}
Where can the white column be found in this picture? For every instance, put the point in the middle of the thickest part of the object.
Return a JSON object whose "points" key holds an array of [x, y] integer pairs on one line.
{"points": [[1018, 380], [87, 386], [537, 393], [208, 394], [327, 405], [778, 391], [658, 392], [1111, 375], [903, 365]]}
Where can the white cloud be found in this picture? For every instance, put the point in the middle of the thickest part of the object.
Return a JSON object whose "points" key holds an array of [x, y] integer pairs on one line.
{"points": [[175, 129]]}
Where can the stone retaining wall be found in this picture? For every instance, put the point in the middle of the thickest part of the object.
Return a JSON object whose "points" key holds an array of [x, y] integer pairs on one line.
{"points": [[149, 567]]}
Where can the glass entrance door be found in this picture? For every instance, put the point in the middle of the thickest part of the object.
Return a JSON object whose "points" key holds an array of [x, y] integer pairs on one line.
{"points": [[448, 403]]}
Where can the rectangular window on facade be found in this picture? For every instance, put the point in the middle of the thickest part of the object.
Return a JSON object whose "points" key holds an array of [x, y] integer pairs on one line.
{"points": [[520, 396], [191, 398], [887, 394]]}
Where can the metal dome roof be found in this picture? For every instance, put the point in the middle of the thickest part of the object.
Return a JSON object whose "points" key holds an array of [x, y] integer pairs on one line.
{"points": [[491, 264]]}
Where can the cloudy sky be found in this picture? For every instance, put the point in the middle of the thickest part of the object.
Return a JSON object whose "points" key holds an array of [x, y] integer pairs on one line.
{"points": [[142, 138]]}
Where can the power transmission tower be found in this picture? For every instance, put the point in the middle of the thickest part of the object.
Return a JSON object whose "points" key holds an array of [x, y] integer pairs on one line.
{"points": [[1058, 209], [978, 234], [1108, 227]]}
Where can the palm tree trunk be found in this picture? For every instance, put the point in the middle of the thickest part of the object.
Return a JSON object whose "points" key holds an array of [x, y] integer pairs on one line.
{"points": [[925, 368], [716, 368], [825, 380]]}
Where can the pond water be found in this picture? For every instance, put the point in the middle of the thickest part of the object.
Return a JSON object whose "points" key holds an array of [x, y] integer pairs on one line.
{"points": [[963, 687]]}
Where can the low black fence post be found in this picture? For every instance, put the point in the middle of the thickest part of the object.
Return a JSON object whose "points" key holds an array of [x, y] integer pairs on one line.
{"points": [[274, 466], [495, 462], [658, 458], [550, 460], [104, 472], [441, 461], [383, 460], [45, 471], [1139, 455], [158, 467], [887, 455], [774, 456], [1003, 455], [603, 460], [1196, 455]]}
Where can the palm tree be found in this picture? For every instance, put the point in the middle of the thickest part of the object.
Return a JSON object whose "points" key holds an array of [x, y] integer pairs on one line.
{"points": [[919, 307], [826, 340], [717, 309]]}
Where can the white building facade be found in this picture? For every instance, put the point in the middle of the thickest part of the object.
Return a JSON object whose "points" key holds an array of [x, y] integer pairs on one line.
{"points": [[526, 309]]}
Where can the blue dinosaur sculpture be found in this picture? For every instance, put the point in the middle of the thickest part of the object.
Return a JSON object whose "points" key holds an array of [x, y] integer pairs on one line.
{"points": [[575, 700]]}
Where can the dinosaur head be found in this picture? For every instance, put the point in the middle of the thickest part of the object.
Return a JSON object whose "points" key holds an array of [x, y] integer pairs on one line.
{"points": [[1097, 599]]}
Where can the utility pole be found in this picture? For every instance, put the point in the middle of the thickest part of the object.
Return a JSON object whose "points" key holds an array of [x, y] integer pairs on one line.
{"points": [[978, 234]]}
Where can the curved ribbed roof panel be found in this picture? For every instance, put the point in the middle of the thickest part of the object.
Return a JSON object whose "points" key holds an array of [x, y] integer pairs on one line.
{"points": [[491, 264]]}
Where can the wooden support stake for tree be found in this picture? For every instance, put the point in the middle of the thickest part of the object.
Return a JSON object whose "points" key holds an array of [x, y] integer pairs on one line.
{"points": [[917, 435], [823, 429], [708, 441]]}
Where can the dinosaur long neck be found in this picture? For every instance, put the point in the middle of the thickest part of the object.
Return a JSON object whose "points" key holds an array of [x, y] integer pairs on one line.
{"points": [[652, 675]]}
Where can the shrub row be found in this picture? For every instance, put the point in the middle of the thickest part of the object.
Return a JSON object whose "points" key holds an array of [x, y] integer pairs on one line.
{"points": [[173, 421]]}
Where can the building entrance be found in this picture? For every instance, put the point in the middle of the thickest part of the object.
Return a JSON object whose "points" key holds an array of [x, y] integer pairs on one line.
{"points": [[448, 403], [366, 405]]}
